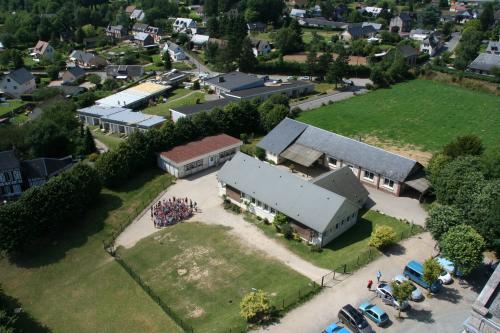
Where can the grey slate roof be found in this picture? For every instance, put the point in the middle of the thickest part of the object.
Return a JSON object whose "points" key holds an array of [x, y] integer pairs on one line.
{"points": [[76, 71], [485, 62], [282, 136], [360, 31], [21, 75], [343, 182], [265, 90], [390, 165], [323, 22], [45, 167], [203, 107], [235, 81], [140, 27], [128, 70], [9, 160], [407, 50], [299, 199]]}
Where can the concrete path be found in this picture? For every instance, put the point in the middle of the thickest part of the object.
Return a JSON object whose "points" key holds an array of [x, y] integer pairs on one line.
{"points": [[101, 147], [333, 97], [202, 188], [399, 207], [442, 313]]}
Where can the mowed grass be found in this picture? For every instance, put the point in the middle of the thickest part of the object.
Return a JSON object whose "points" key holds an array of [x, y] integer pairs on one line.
{"points": [[203, 272], [74, 286], [112, 141], [8, 106], [345, 249], [179, 97], [326, 34], [422, 113]]}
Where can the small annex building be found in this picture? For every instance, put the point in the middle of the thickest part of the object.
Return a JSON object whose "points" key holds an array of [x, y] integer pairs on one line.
{"points": [[195, 156], [320, 210]]}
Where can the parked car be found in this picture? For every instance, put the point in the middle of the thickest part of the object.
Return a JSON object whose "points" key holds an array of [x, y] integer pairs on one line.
{"points": [[384, 291], [376, 314], [348, 82], [305, 78], [353, 319], [415, 272], [335, 328], [416, 294], [449, 266]]}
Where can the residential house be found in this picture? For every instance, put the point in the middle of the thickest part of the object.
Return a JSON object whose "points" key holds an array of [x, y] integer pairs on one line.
{"points": [[181, 24], [233, 81], [137, 15], [316, 213], [139, 28], [130, 9], [464, 16], [144, 39], [316, 11], [307, 145], [409, 53], [493, 47], [400, 23], [154, 32], [195, 156], [374, 25], [38, 171], [485, 314], [431, 45], [256, 27], [199, 41], [321, 22], [43, 50], [72, 74], [373, 11], [125, 72], [295, 12], [116, 31], [175, 51], [11, 180], [260, 47], [419, 34], [354, 32], [17, 82], [86, 59], [484, 63]]}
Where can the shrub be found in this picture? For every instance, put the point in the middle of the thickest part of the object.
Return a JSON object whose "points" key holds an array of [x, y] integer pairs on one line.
{"points": [[296, 237], [280, 220], [287, 231], [255, 307], [316, 248], [93, 157], [382, 237], [260, 153]]}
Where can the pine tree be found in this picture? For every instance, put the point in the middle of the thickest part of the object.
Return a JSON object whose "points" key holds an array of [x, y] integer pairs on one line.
{"points": [[89, 142], [167, 62], [247, 60]]}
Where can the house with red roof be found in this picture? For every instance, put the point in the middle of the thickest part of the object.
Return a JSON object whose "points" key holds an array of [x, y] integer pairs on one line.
{"points": [[198, 155]]}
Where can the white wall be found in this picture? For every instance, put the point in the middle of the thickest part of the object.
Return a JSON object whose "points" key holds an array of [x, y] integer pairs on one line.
{"points": [[14, 89], [176, 115]]}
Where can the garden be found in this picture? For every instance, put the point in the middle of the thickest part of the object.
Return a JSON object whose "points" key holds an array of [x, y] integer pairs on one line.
{"points": [[176, 98]]}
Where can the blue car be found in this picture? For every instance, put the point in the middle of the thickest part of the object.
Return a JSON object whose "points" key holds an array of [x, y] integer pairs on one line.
{"points": [[376, 314], [334, 328]]}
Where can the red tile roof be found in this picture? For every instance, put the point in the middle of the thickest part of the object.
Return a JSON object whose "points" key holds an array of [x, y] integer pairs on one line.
{"points": [[199, 148]]}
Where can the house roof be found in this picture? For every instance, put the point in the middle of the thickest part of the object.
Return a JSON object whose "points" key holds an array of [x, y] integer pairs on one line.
{"points": [[115, 28], [181, 21], [234, 80], [41, 46], [9, 160], [76, 71], [323, 22], [21, 75], [297, 12], [207, 106], [137, 14], [407, 51], [256, 26], [265, 90], [360, 31], [71, 90], [100, 111], [125, 70], [303, 201], [404, 16], [85, 57], [142, 36], [129, 9], [45, 167], [485, 61], [199, 39], [343, 182], [260, 44], [133, 95], [128, 117], [140, 27], [199, 148], [390, 165]]}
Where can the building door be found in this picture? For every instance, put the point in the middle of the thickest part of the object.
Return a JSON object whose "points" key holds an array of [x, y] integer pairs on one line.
{"points": [[212, 160]]}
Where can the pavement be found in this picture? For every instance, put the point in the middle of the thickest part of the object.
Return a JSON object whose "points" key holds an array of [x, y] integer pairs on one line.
{"points": [[101, 147], [203, 189], [453, 42], [442, 313]]}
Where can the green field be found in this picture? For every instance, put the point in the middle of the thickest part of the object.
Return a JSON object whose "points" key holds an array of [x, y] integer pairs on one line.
{"points": [[178, 97], [346, 249], [74, 286], [8, 106], [422, 113], [202, 272]]}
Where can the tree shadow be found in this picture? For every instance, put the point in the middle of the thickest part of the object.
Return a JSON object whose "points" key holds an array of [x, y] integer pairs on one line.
{"points": [[478, 278], [421, 315], [73, 235], [448, 294], [24, 321], [394, 250], [138, 180]]}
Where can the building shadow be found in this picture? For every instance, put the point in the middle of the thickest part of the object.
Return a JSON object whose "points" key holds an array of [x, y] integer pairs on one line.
{"points": [[420, 315], [203, 173], [448, 294]]}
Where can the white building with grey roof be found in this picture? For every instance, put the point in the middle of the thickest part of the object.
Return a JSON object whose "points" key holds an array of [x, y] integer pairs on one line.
{"points": [[316, 209], [311, 146], [17, 82]]}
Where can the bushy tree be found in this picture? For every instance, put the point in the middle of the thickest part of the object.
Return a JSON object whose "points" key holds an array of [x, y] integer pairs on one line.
{"points": [[382, 237], [436, 164], [432, 271], [464, 246], [289, 39], [468, 47], [89, 143], [487, 17], [429, 17], [401, 292], [255, 307], [167, 62], [463, 146], [247, 60], [338, 69], [442, 218], [53, 72]]}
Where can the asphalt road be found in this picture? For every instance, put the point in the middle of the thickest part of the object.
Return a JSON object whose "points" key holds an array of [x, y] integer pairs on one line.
{"points": [[453, 42]]}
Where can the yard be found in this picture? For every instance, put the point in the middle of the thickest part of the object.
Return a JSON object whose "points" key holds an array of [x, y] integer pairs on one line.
{"points": [[111, 140], [176, 98], [74, 286], [350, 249], [9, 106], [326, 34], [422, 114], [203, 272]]}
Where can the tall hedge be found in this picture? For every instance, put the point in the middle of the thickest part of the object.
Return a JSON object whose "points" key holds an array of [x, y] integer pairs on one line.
{"points": [[44, 210]]}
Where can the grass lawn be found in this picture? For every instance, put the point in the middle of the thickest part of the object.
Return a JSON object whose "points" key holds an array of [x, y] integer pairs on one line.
{"points": [[19, 119], [345, 249], [74, 286], [178, 97], [269, 36], [422, 113], [326, 34], [8, 106], [112, 141], [203, 272], [324, 87]]}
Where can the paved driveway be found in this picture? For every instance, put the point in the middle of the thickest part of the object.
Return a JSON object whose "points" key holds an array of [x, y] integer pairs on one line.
{"points": [[203, 189], [443, 313]]}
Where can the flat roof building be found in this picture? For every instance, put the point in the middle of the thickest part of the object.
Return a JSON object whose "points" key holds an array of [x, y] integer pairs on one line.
{"points": [[316, 212], [291, 89], [135, 96], [198, 155], [233, 81]]}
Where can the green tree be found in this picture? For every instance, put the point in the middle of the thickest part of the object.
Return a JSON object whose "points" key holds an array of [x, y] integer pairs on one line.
{"points": [[432, 271], [468, 47], [94, 78], [441, 219], [430, 17], [436, 164], [167, 62], [247, 61], [312, 62], [110, 85], [402, 293], [382, 237], [280, 220], [17, 59], [255, 307], [487, 17], [490, 163], [464, 145], [464, 246], [53, 72], [89, 142], [271, 118], [338, 69]]}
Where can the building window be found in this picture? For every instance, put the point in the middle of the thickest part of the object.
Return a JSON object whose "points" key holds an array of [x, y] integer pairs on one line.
{"points": [[368, 175], [259, 204], [227, 153], [273, 211], [353, 214], [193, 165], [332, 161], [348, 218], [388, 183], [337, 226], [266, 208], [17, 175], [2, 177], [16, 188], [8, 176], [252, 199]]}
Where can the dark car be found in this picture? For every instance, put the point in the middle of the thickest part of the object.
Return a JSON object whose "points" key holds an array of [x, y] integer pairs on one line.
{"points": [[353, 319]]}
